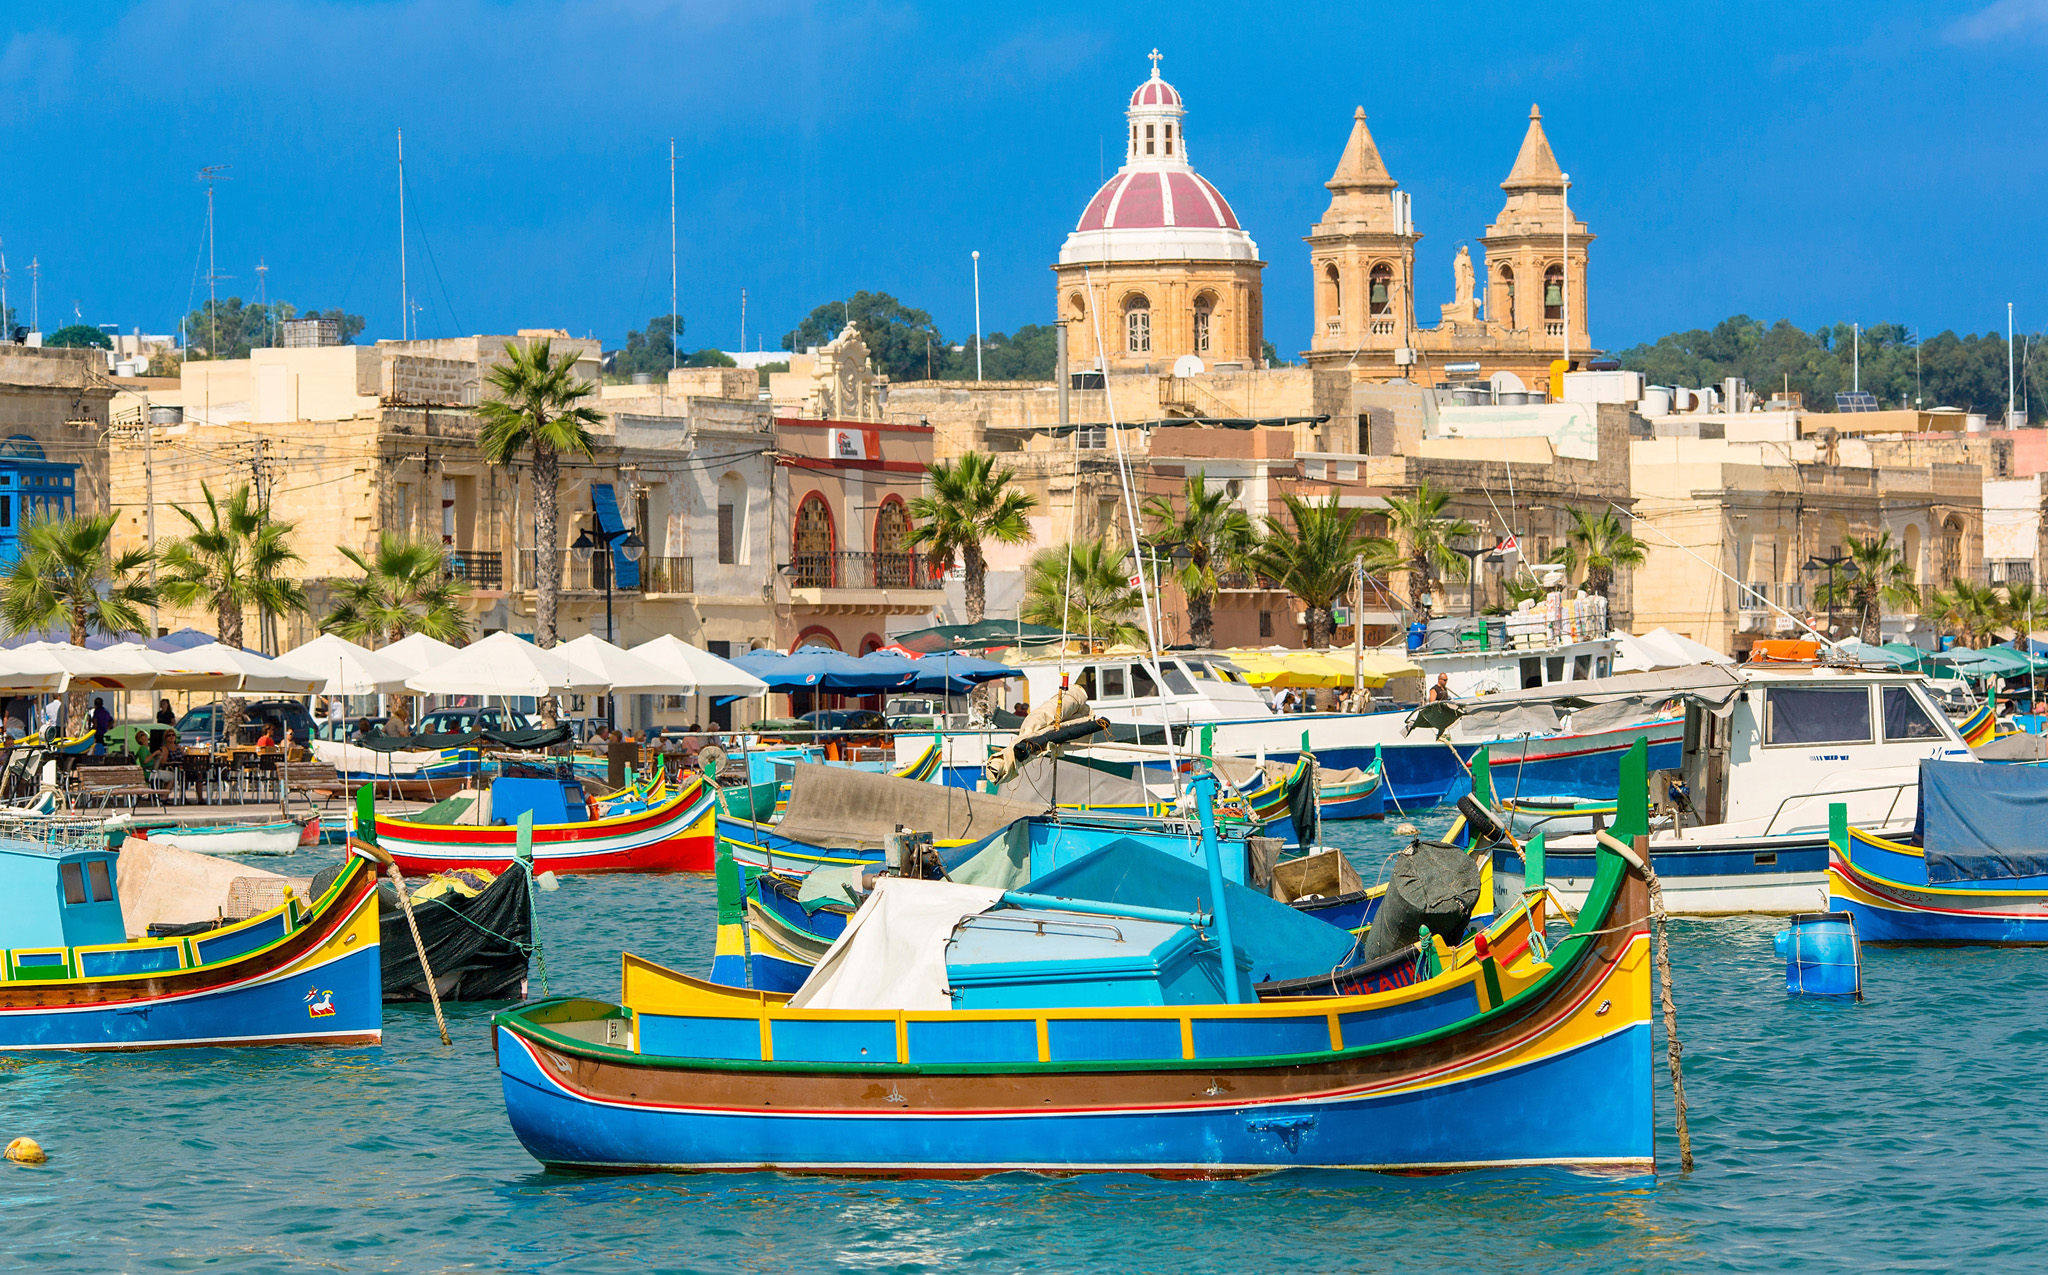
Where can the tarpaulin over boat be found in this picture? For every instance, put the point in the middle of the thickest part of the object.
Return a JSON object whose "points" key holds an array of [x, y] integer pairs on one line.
{"points": [[1057, 781], [1711, 686], [1981, 822], [530, 741], [1281, 942], [855, 809]]}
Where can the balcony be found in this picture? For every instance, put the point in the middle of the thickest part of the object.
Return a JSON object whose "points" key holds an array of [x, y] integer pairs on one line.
{"points": [[1382, 327], [668, 575], [479, 569], [902, 570], [1554, 328], [576, 576]]}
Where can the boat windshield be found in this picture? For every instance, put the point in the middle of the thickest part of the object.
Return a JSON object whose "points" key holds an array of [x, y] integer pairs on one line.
{"points": [[1905, 717], [1198, 668], [1817, 715], [1177, 681]]}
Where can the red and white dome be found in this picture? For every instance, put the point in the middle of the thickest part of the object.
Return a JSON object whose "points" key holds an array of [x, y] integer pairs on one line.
{"points": [[1157, 206]]}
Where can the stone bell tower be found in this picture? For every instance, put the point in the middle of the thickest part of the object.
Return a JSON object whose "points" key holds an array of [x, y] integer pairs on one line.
{"points": [[1536, 254], [1362, 255]]}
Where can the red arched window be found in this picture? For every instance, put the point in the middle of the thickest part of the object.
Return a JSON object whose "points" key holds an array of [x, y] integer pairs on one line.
{"points": [[816, 635], [895, 561], [872, 642], [813, 543]]}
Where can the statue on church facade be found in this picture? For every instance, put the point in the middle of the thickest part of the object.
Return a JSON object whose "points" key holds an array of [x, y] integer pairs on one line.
{"points": [[1465, 309]]}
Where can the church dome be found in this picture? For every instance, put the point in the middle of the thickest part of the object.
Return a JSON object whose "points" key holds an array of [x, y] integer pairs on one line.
{"points": [[1157, 206]]}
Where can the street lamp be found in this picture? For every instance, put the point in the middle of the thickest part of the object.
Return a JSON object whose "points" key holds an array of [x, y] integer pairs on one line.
{"points": [[1471, 557], [630, 546], [1830, 564]]}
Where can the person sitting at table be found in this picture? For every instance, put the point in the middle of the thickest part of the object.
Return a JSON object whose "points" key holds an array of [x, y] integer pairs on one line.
{"points": [[167, 750], [271, 736]]}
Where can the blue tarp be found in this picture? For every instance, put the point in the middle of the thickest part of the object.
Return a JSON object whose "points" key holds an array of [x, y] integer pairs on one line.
{"points": [[817, 668], [625, 571], [1983, 823], [956, 673], [1282, 943]]}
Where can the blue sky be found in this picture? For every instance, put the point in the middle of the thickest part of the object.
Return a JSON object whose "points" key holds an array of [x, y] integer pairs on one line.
{"points": [[1822, 162]]}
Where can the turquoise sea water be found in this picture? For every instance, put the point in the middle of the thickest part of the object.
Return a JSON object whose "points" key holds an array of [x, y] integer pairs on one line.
{"points": [[1902, 1134]]}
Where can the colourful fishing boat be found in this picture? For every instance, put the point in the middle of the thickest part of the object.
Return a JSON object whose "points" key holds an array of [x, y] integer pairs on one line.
{"points": [[279, 836], [674, 834], [1539, 1059], [304, 972], [1975, 871], [1981, 726], [1556, 815], [1352, 793]]}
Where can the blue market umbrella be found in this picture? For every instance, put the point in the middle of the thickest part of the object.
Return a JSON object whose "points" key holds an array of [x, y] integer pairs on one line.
{"points": [[956, 673], [814, 668]]}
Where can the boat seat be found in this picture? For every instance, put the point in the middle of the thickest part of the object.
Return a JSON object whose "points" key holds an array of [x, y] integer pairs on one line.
{"points": [[111, 785]]}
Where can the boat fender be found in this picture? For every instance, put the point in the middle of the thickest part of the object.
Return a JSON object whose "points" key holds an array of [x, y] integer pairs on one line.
{"points": [[548, 881], [1405, 829], [1431, 883], [1479, 821], [26, 1151]]}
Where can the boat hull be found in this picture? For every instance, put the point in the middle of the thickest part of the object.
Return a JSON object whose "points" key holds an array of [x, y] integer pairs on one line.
{"points": [[1863, 883], [1775, 876], [274, 838], [675, 836]]}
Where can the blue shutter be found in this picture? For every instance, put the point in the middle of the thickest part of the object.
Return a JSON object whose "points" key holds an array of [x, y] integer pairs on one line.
{"points": [[625, 575]]}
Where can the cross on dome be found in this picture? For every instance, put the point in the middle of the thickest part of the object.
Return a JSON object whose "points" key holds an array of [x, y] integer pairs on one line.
{"points": [[1155, 64]]}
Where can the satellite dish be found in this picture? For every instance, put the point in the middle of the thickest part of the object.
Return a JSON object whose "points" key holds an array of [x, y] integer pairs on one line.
{"points": [[1188, 365], [1506, 381]]}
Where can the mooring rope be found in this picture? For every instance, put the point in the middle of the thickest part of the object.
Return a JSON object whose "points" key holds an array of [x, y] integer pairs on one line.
{"points": [[1673, 1049]]}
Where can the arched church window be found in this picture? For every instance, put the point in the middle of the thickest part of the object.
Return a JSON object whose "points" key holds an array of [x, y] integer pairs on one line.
{"points": [[1205, 322], [1138, 326], [1381, 293], [1333, 292], [1077, 308], [1134, 139], [1507, 282], [1553, 293]]}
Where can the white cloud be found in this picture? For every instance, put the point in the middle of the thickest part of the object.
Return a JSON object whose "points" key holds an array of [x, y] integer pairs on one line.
{"points": [[2002, 20]]}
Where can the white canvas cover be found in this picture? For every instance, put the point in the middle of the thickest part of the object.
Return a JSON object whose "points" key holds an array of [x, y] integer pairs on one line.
{"points": [[597, 660], [707, 674], [892, 954], [348, 668], [157, 883]]}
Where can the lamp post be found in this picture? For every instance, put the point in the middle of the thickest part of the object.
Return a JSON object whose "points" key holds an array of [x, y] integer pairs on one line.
{"points": [[1829, 564], [1471, 557], [977, 315], [629, 543]]}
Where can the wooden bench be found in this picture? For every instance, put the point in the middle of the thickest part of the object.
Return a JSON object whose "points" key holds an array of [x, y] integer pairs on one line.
{"points": [[307, 778], [110, 785]]}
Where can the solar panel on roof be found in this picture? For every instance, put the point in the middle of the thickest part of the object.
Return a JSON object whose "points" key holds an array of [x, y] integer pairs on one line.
{"points": [[1855, 401]]}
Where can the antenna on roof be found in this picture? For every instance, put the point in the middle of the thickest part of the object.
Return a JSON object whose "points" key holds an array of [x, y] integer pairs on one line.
{"points": [[404, 298], [210, 174]]}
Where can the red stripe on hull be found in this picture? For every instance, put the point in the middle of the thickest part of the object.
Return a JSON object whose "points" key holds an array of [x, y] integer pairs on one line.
{"points": [[690, 853]]}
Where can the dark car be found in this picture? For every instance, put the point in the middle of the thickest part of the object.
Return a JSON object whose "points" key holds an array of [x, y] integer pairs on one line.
{"points": [[842, 725], [443, 721], [209, 721]]}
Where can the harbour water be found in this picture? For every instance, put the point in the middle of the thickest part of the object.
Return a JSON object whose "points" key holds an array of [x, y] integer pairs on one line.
{"points": [[1904, 1133]]}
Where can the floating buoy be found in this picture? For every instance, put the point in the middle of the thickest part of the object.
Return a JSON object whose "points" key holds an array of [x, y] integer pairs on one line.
{"points": [[1404, 830], [548, 881], [26, 1151], [1822, 956]]}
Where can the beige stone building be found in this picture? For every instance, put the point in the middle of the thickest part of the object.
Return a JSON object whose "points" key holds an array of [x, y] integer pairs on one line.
{"points": [[1531, 310], [1157, 270]]}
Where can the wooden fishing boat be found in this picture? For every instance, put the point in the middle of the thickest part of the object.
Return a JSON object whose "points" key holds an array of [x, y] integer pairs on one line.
{"points": [[1558, 814], [303, 972], [1981, 726], [675, 834], [279, 836], [1352, 793], [1975, 873], [1542, 1059]]}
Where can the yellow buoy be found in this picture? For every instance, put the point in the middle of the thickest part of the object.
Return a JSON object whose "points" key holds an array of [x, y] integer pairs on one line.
{"points": [[25, 1151]]}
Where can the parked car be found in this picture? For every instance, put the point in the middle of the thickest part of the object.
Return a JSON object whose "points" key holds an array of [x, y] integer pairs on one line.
{"points": [[209, 721], [848, 725], [450, 720]]}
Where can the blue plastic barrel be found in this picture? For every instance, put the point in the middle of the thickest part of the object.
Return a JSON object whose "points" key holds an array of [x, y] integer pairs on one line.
{"points": [[1822, 956], [1416, 633]]}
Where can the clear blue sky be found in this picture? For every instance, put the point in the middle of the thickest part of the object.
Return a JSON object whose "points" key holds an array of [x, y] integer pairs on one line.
{"points": [[1821, 162]]}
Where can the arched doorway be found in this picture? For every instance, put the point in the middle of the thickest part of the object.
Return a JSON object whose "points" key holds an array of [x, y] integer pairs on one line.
{"points": [[894, 560], [812, 544]]}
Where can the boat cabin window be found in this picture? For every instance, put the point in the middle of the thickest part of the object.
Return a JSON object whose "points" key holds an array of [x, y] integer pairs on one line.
{"points": [[1905, 717], [1600, 667], [1112, 681], [1142, 685], [1582, 668], [1532, 672], [1086, 682], [102, 884], [1177, 681], [74, 883], [1817, 715], [1196, 668], [1553, 669]]}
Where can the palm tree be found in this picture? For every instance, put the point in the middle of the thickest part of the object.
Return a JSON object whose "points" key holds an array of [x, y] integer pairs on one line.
{"points": [[1085, 588], [537, 405], [1424, 536], [405, 588], [1216, 536], [2024, 607], [1971, 610], [1876, 576], [970, 501], [1599, 545], [230, 562], [69, 574], [1948, 609], [1313, 552]]}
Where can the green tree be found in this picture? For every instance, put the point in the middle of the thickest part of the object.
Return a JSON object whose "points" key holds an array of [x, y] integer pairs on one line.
{"points": [[1313, 552], [1876, 576], [2024, 609], [1030, 355], [1085, 587], [970, 501], [78, 336], [228, 329], [708, 357], [903, 343], [650, 349], [1272, 355], [232, 560], [1214, 534], [1597, 545], [68, 574], [405, 588], [1424, 535], [537, 406]]}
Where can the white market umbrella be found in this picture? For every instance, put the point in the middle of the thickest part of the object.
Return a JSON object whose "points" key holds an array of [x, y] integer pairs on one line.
{"points": [[105, 669], [32, 673], [213, 666], [708, 674], [416, 652], [348, 669], [504, 665], [624, 672]]}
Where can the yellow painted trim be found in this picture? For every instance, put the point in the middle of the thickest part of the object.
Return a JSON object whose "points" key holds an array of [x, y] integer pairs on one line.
{"points": [[1909, 888], [1336, 1030], [1187, 1036], [902, 1038], [1896, 847], [767, 1039], [1044, 1047]]}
